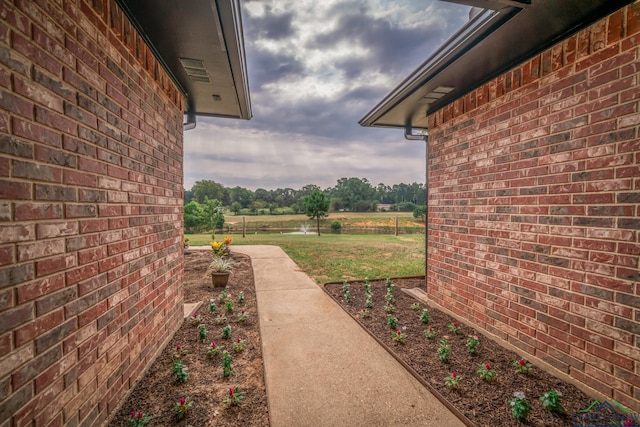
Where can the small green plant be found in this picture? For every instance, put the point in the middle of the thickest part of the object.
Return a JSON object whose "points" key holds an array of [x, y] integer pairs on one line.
{"points": [[444, 350], [241, 298], [425, 317], [364, 313], [400, 337], [392, 322], [390, 286], [551, 401], [369, 302], [242, 316], [223, 295], [180, 371], [486, 373], [345, 286], [226, 332], [227, 367], [212, 305], [229, 305], [139, 419], [389, 297], [521, 366], [214, 350], [347, 296], [472, 344], [179, 351], [389, 308], [453, 380], [336, 226], [202, 333], [429, 333], [454, 328], [195, 319], [220, 319], [415, 306], [183, 407], [235, 396], [238, 346], [367, 287], [519, 406]]}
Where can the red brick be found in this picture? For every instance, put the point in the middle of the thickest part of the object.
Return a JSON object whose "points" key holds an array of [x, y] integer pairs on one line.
{"points": [[633, 19], [39, 326], [40, 211], [39, 287], [53, 265]]}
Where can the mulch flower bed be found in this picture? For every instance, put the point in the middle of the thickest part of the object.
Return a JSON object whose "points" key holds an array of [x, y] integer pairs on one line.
{"points": [[158, 393], [482, 402]]}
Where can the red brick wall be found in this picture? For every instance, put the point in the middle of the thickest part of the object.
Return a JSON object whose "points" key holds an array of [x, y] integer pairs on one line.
{"points": [[534, 207], [90, 210]]}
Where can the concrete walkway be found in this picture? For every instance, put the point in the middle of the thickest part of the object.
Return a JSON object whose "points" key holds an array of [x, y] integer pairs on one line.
{"points": [[321, 367]]}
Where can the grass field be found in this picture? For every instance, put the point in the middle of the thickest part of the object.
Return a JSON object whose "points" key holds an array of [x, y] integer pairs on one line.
{"points": [[338, 257], [348, 220]]}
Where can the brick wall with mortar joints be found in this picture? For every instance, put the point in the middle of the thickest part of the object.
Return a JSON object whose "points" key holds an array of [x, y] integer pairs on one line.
{"points": [[90, 210], [534, 207]]}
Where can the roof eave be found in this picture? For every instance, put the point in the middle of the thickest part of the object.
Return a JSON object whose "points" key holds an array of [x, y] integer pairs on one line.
{"points": [[487, 46], [207, 31]]}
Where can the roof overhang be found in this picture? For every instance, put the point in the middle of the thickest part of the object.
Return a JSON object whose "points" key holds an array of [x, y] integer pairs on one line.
{"points": [[200, 44], [502, 35]]}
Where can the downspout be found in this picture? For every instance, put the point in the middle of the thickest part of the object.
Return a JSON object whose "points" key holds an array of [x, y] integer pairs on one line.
{"points": [[191, 120], [409, 135]]}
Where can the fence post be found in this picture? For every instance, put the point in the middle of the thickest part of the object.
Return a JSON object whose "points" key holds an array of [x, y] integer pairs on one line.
{"points": [[244, 228], [397, 225]]}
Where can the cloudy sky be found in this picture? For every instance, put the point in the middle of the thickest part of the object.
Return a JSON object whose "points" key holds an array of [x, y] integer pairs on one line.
{"points": [[315, 68]]}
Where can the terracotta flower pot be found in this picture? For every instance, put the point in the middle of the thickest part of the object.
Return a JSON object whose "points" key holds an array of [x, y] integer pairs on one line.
{"points": [[219, 279]]}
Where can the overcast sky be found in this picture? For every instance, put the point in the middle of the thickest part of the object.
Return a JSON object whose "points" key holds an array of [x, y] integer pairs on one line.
{"points": [[315, 68]]}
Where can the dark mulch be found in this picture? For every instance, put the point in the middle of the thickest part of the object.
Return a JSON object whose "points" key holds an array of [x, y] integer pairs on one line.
{"points": [[157, 393], [483, 403]]}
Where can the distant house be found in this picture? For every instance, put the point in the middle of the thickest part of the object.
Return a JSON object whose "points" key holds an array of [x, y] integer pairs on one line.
{"points": [[93, 96], [533, 171], [383, 207]]}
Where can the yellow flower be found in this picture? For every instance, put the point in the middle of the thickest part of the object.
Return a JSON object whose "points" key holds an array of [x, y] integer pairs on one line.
{"points": [[216, 245], [228, 240]]}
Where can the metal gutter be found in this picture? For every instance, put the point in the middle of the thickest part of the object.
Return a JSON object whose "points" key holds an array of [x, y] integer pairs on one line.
{"points": [[409, 135], [239, 62]]}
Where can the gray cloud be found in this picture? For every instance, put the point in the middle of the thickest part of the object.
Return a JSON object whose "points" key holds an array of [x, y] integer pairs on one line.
{"points": [[315, 68], [266, 67], [271, 25]]}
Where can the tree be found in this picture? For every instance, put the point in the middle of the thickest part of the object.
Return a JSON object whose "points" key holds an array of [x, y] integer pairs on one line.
{"points": [[236, 207], [355, 194], [206, 189], [188, 196], [420, 212], [316, 206], [195, 218], [214, 213], [241, 195]]}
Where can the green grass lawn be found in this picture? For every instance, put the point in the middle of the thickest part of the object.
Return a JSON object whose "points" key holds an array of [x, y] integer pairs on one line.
{"points": [[338, 257]]}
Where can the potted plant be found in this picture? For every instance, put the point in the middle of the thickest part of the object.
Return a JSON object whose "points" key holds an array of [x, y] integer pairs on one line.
{"points": [[186, 245], [220, 270]]}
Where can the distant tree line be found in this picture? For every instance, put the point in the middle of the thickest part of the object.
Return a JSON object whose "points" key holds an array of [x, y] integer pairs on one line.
{"points": [[349, 194], [206, 202]]}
